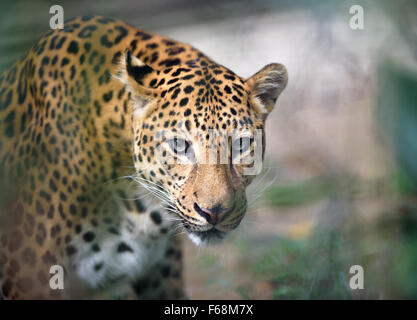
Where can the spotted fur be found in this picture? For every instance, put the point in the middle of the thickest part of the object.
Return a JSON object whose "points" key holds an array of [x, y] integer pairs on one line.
{"points": [[80, 115]]}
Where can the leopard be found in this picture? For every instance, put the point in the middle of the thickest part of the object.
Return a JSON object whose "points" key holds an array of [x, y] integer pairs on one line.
{"points": [[106, 129]]}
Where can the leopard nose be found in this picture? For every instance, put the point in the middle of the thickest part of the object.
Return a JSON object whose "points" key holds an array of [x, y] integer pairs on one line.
{"points": [[212, 215]]}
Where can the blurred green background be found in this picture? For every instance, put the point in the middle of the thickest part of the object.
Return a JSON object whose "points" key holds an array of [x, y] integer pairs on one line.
{"points": [[340, 178]]}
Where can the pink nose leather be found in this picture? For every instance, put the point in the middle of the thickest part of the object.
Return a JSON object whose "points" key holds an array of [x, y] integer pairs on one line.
{"points": [[215, 215]]}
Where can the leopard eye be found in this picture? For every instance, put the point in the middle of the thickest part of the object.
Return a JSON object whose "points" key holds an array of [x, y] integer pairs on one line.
{"points": [[241, 145], [179, 146]]}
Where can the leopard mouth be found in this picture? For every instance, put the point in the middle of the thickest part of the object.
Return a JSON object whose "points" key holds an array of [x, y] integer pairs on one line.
{"points": [[209, 237], [206, 235]]}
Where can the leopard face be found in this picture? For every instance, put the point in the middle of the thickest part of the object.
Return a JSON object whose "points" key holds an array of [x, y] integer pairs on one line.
{"points": [[199, 137]]}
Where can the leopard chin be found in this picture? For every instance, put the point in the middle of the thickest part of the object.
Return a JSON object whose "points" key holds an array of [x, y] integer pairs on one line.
{"points": [[210, 237]]}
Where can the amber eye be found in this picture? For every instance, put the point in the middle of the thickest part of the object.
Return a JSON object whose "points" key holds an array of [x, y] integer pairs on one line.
{"points": [[241, 145], [179, 146]]}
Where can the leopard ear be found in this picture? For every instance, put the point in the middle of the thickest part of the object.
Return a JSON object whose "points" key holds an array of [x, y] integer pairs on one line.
{"points": [[137, 70], [266, 85], [136, 76]]}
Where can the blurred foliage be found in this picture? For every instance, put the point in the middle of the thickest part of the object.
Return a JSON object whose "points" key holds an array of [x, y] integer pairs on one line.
{"points": [[310, 270], [300, 193], [406, 269], [317, 267], [397, 115]]}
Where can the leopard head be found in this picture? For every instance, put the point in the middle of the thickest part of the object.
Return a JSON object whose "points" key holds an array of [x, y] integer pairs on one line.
{"points": [[198, 133]]}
